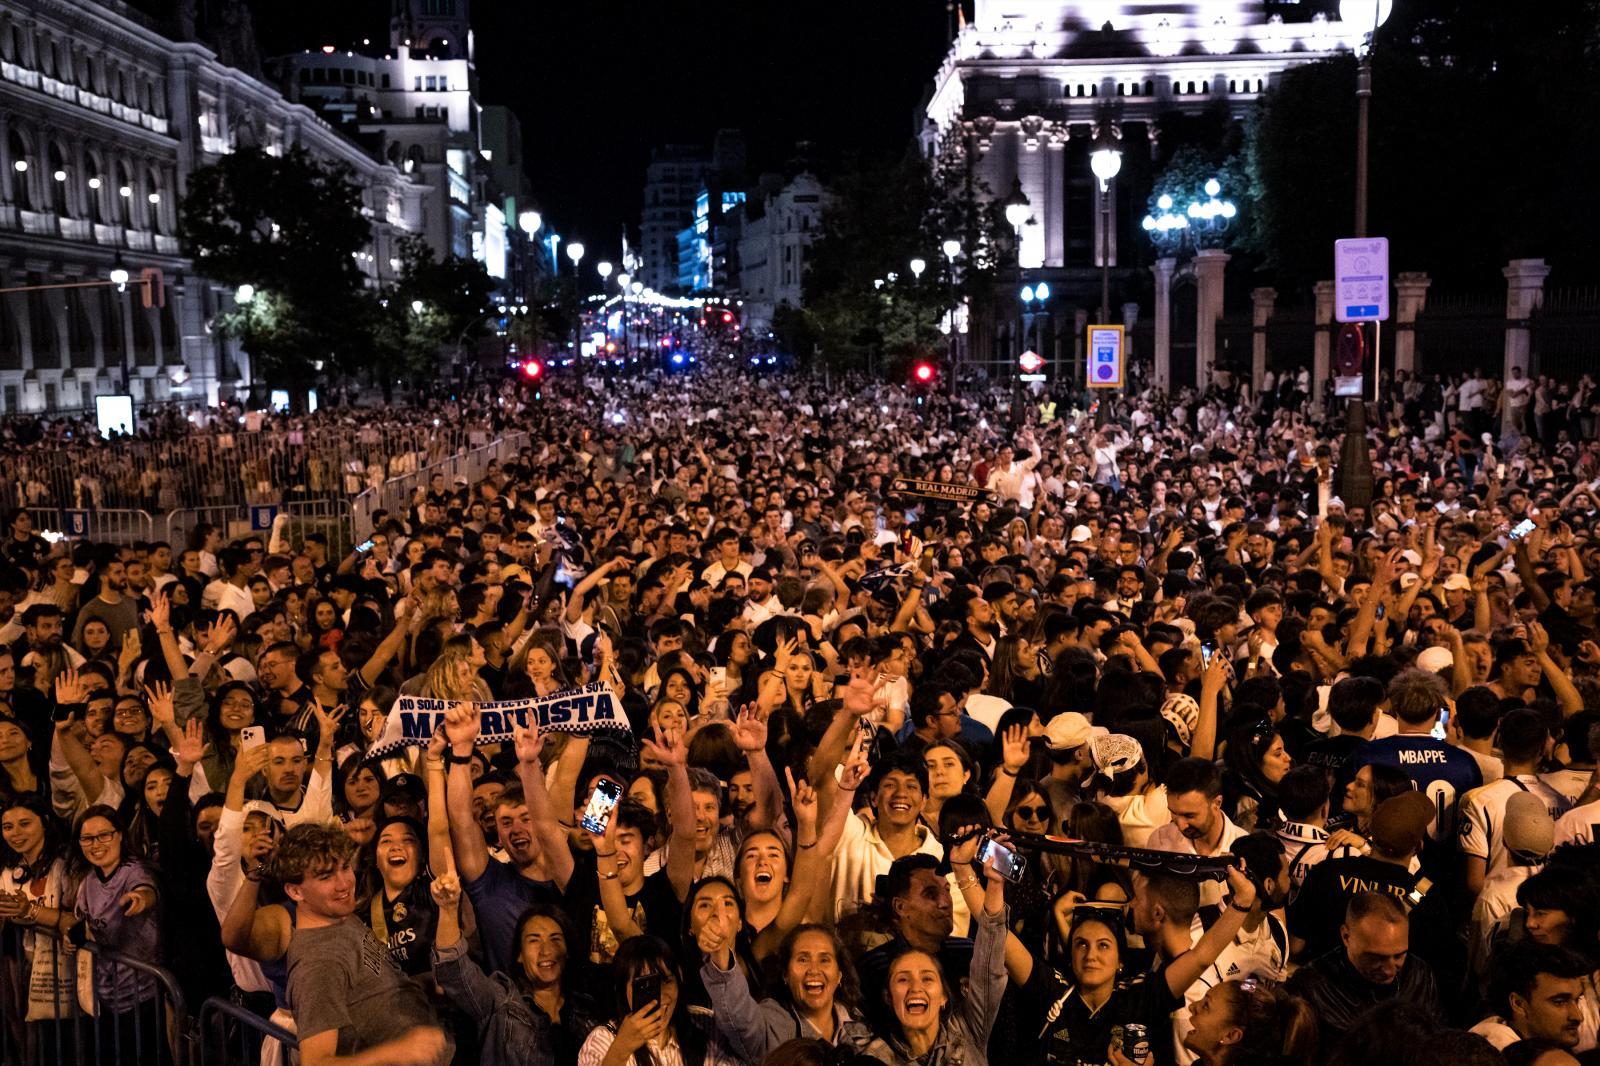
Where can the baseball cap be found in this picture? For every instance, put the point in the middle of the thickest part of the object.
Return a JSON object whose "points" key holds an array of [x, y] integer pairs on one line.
{"points": [[1080, 534], [1529, 829], [1068, 729], [1399, 823], [1115, 753], [1411, 557], [1435, 659], [1458, 583]]}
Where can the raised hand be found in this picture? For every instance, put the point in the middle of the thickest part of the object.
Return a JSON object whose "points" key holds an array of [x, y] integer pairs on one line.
{"points": [[964, 852], [70, 687], [191, 747], [361, 830], [160, 610], [461, 725], [327, 719], [528, 743], [137, 902], [219, 635], [668, 748], [1538, 639], [804, 800], [446, 890], [251, 761], [131, 649], [1014, 748], [159, 699], [749, 730]]}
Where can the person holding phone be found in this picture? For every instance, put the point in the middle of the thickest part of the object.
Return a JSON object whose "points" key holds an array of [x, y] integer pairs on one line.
{"points": [[649, 1022]]}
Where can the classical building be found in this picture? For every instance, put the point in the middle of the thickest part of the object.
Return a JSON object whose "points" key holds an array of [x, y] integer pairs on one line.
{"points": [[777, 231], [1028, 86], [103, 117]]}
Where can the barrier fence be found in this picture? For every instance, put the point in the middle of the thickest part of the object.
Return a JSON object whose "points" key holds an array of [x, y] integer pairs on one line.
{"points": [[135, 1014], [394, 495], [212, 468]]}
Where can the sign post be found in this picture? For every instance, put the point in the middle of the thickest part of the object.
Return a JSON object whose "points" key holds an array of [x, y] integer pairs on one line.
{"points": [[1105, 344], [261, 516], [1361, 294]]}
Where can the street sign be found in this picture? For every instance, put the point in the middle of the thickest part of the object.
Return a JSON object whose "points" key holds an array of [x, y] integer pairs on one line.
{"points": [[1030, 361], [261, 516], [76, 523], [1361, 279], [1105, 357], [1033, 378]]}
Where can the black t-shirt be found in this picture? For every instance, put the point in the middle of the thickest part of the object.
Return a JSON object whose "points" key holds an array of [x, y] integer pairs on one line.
{"points": [[1318, 909], [1337, 755], [406, 925], [655, 909], [1075, 1036]]}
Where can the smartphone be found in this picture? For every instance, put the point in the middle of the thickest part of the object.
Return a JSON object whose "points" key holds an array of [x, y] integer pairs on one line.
{"points": [[1521, 529], [646, 990], [719, 675], [252, 736], [1439, 728], [597, 814], [1002, 860], [1500, 472], [1206, 652], [365, 546], [1380, 612]]}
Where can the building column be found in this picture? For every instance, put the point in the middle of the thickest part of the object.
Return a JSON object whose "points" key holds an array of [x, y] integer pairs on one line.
{"points": [[1321, 344], [1261, 302], [1163, 269], [1411, 296], [1055, 198], [1524, 295], [1209, 267]]}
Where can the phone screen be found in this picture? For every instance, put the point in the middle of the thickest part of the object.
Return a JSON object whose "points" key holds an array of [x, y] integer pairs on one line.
{"points": [[597, 813], [1439, 728], [646, 990], [1002, 860], [1206, 652], [1522, 529], [365, 546]]}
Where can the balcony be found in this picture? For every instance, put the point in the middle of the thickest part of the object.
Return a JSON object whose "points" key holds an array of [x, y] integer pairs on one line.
{"points": [[39, 223], [141, 240], [73, 94]]}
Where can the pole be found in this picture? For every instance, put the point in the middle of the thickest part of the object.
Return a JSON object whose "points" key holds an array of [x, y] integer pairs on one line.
{"points": [[1363, 119], [1355, 460], [1105, 254]]}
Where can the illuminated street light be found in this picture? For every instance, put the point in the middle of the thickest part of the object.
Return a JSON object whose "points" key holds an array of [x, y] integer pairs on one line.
{"points": [[242, 296]]}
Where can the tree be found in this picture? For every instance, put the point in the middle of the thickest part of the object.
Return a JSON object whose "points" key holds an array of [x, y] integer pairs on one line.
{"points": [[288, 226], [862, 301], [454, 296]]}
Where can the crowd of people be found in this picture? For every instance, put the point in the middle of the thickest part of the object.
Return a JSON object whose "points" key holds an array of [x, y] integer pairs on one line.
{"points": [[1128, 742]]}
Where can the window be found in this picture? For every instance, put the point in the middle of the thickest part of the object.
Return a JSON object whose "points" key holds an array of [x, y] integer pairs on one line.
{"points": [[418, 86], [22, 173], [433, 83], [386, 81]]}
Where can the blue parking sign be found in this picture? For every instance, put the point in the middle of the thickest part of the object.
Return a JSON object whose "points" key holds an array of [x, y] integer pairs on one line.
{"points": [[261, 516]]}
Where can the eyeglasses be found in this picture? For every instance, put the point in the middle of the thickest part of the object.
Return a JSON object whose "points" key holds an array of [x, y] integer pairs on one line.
{"points": [[98, 838], [1033, 814]]}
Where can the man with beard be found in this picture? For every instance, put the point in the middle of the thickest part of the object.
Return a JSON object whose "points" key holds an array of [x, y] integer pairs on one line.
{"points": [[298, 799], [41, 652], [351, 1003], [111, 606], [1198, 825], [1541, 988], [980, 628]]}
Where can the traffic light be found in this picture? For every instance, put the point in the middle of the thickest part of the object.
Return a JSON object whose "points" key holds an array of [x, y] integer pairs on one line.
{"points": [[533, 369], [153, 287], [923, 373]]}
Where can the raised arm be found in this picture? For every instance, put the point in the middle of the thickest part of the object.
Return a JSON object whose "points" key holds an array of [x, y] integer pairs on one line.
{"points": [[1567, 695], [1013, 757], [552, 839], [671, 750], [1185, 970], [466, 836], [750, 734]]}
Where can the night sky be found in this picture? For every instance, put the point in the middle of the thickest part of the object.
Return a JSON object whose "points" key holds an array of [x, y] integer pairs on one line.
{"points": [[597, 83]]}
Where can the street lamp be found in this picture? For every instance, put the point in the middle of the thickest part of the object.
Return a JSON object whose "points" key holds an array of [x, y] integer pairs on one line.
{"points": [[1017, 210], [417, 306], [952, 248], [1355, 459], [1106, 162], [603, 268], [918, 265], [242, 296], [530, 221], [575, 253], [119, 278]]}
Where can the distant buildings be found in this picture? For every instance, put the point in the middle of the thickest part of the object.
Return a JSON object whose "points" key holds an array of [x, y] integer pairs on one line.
{"points": [[777, 232], [103, 117]]}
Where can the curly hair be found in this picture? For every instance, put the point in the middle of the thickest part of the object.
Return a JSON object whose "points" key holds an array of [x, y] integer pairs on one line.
{"points": [[310, 849]]}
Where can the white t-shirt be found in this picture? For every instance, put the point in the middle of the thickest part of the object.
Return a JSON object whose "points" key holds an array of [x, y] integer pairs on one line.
{"points": [[1482, 817]]}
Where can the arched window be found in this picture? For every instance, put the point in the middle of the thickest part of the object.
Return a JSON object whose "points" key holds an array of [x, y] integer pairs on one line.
{"points": [[22, 171], [95, 189], [80, 337], [155, 201], [59, 176], [123, 211]]}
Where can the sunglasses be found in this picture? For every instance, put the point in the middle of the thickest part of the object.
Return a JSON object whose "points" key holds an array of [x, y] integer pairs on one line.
{"points": [[1033, 814]]}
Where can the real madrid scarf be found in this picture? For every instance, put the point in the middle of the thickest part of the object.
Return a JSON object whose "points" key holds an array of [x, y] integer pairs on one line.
{"points": [[590, 709]]}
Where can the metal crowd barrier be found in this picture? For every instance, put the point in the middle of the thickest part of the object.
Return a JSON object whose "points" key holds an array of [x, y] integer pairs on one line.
{"points": [[156, 1031], [331, 517], [394, 495], [230, 1035], [114, 525]]}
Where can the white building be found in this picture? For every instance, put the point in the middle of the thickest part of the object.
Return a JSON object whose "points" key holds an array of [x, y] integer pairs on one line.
{"points": [[102, 120], [777, 232], [1026, 82]]}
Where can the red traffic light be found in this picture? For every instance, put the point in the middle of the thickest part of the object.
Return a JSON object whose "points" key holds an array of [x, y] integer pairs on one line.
{"points": [[727, 316], [532, 369], [923, 372]]}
